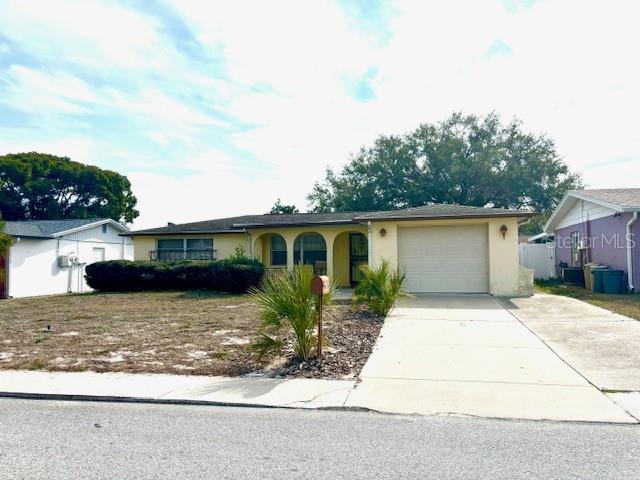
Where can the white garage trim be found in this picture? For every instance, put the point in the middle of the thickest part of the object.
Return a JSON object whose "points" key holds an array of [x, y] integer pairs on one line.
{"points": [[445, 259]]}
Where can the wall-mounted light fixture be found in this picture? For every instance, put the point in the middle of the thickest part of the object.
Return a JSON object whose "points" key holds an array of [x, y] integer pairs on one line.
{"points": [[503, 230], [383, 232]]}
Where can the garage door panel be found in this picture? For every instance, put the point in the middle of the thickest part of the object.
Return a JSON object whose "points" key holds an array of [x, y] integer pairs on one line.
{"points": [[444, 259]]}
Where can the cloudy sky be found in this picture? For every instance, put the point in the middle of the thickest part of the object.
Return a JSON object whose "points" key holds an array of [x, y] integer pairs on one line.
{"points": [[218, 108]]}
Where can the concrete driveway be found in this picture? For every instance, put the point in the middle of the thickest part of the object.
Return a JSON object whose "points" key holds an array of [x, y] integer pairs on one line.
{"points": [[467, 354], [603, 346]]}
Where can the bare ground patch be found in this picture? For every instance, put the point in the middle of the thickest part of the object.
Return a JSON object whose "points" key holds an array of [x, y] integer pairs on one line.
{"points": [[166, 332], [351, 334]]}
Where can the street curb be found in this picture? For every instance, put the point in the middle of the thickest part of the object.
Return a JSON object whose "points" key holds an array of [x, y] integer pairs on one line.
{"points": [[118, 399], [174, 401], [212, 403]]}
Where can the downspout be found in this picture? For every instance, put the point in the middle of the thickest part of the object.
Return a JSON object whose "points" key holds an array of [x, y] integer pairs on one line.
{"points": [[69, 278], [370, 244], [630, 247], [250, 249]]}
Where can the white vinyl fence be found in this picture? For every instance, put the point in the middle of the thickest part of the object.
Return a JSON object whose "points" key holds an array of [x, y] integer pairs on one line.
{"points": [[539, 257]]}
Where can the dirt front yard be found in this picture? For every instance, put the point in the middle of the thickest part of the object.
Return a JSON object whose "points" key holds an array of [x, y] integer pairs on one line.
{"points": [[166, 332]]}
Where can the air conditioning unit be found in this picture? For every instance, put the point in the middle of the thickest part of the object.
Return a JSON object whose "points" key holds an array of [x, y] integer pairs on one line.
{"points": [[64, 261]]}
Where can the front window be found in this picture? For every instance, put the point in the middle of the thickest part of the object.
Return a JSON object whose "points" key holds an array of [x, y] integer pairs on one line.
{"points": [[278, 251], [199, 249], [176, 249], [309, 248]]}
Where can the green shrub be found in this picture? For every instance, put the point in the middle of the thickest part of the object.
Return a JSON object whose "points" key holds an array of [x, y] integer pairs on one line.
{"points": [[128, 276], [287, 306], [239, 257], [379, 288]]}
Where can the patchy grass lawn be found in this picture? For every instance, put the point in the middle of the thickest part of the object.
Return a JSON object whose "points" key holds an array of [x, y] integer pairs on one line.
{"points": [[162, 332], [628, 305]]}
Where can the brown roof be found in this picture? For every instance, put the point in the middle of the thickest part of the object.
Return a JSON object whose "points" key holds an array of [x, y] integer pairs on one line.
{"points": [[442, 210], [241, 223]]}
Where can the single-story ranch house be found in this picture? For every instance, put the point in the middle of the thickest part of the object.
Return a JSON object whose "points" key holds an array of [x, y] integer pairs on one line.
{"points": [[599, 226], [48, 256], [441, 248]]}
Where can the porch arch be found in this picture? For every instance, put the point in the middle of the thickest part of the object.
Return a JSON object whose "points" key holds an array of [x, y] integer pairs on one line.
{"points": [[311, 248], [272, 250]]}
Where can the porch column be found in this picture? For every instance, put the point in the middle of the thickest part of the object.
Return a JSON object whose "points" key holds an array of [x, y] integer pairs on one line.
{"points": [[256, 248], [290, 240], [328, 240]]}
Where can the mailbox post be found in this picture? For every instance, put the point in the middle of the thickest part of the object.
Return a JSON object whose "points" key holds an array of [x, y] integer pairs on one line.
{"points": [[320, 286]]}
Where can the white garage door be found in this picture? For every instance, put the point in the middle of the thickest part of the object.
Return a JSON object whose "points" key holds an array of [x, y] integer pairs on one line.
{"points": [[444, 259]]}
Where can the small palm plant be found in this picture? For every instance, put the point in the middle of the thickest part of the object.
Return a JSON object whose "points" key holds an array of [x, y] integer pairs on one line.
{"points": [[286, 304], [379, 288]]}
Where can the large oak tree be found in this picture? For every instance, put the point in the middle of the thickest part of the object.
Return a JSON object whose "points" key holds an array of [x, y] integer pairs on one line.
{"points": [[465, 159], [38, 186]]}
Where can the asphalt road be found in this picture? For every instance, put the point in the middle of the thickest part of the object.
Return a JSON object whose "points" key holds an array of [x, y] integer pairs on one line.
{"points": [[66, 440]]}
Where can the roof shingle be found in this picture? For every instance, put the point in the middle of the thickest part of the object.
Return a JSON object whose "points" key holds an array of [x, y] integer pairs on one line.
{"points": [[45, 228], [443, 210], [626, 198], [239, 224]]}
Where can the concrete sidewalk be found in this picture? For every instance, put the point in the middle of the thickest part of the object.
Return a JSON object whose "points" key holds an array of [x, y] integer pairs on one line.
{"points": [[249, 391], [466, 354]]}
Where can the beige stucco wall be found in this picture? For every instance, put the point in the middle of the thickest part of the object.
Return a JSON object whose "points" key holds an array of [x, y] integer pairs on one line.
{"points": [[225, 243], [142, 246], [504, 262], [503, 252], [504, 274], [341, 259]]}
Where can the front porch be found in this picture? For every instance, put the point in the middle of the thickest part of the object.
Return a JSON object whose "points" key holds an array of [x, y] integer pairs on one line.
{"points": [[338, 252]]}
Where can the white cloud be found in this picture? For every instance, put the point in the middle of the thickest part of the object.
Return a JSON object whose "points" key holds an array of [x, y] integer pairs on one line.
{"points": [[563, 78], [52, 94], [98, 34], [165, 117], [570, 73], [38, 92], [215, 189]]}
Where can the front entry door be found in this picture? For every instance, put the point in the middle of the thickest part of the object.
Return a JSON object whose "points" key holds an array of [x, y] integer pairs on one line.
{"points": [[358, 256]]}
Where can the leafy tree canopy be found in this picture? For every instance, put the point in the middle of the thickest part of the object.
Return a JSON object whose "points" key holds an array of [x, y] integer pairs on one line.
{"points": [[465, 159], [38, 186], [279, 208], [5, 242]]}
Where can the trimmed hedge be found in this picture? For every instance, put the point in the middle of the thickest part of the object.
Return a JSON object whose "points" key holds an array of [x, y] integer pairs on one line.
{"points": [[132, 276]]}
